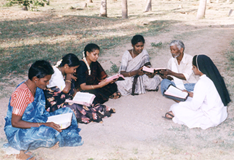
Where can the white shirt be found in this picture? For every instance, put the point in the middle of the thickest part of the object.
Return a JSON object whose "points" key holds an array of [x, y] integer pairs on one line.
{"points": [[185, 67], [57, 79]]}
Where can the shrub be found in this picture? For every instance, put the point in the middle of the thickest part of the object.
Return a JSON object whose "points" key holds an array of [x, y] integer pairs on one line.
{"points": [[28, 4]]}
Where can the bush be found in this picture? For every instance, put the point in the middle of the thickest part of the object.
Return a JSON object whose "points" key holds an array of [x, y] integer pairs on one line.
{"points": [[114, 68], [28, 4]]}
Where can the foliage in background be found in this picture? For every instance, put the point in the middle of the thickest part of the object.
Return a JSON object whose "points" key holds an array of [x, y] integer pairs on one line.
{"points": [[113, 69], [28, 4]]}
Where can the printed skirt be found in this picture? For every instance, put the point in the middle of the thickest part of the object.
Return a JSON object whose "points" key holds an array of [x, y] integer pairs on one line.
{"points": [[55, 99]]}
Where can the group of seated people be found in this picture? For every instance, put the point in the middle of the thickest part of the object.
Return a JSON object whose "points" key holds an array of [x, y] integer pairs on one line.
{"points": [[44, 93]]}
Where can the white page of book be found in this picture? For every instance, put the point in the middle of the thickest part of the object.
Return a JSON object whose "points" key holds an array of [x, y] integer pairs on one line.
{"points": [[83, 97], [173, 91], [64, 120]]}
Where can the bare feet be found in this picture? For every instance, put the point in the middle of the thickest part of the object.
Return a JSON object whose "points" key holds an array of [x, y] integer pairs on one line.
{"points": [[56, 146], [25, 155], [85, 119], [94, 116], [115, 95]]}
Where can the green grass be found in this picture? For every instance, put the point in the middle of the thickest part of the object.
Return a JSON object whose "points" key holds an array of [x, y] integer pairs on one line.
{"points": [[27, 40]]}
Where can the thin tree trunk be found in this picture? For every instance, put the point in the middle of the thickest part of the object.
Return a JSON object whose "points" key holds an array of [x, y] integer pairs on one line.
{"points": [[202, 9], [148, 6], [124, 9], [103, 8]]}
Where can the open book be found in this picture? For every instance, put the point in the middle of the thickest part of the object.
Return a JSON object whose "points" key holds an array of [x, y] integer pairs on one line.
{"points": [[152, 70], [175, 93], [117, 77], [64, 120], [82, 98]]}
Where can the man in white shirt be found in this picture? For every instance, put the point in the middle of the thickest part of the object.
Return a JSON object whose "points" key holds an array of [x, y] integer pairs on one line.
{"points": [[179, 70]]}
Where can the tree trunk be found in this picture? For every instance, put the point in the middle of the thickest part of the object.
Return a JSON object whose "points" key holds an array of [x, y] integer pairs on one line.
{"points": [[103, 9], [202, 9], [148, 6], [124, 9]]}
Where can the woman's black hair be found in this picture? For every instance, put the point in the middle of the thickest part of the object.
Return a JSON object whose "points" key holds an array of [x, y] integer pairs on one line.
{"points": [[137, 38], [195, 60], [90, 47], [70, 59], [40, 69]]}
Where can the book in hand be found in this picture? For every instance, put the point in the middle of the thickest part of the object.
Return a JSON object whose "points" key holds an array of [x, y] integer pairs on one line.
{"points": [[152, 70], [118, 77], [175, 93], [82, 98], [64, 120]]}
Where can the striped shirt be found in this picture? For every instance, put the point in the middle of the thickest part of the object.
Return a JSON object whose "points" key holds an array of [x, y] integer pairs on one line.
{"points": [[20, 99]]}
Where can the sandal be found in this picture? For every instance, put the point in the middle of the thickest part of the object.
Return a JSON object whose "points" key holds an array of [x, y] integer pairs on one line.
{"points": [[168, 116], [115, 95]]}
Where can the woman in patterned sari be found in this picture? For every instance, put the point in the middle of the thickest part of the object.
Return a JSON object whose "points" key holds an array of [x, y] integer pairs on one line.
{"points": [[61, 87], [26, 127], [90, 75], [136, 81]]}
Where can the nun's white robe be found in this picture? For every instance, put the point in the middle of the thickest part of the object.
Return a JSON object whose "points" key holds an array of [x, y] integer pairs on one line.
{"points": [[204, 110]]}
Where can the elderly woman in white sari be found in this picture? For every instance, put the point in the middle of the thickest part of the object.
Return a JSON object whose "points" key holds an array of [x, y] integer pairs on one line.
{"points": [[136, 81]]}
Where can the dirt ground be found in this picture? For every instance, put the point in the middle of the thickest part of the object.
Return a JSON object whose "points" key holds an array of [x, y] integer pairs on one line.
{"points": [[137, 130]]}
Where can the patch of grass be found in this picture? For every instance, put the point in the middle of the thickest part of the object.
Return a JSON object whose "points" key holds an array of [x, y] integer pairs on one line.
{"points": [[186, 35], [114, 68], [135, 151], [50, 37], [159, 44], [230, 69]]}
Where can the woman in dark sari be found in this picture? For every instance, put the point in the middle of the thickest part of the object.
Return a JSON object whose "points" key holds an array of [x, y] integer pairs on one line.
{"points": [[61, 87], [90, 75]]}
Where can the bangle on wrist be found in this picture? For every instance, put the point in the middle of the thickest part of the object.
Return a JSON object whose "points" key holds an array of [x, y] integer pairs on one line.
{"points": [[68, 81], [92, 86], [38, 124]]}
